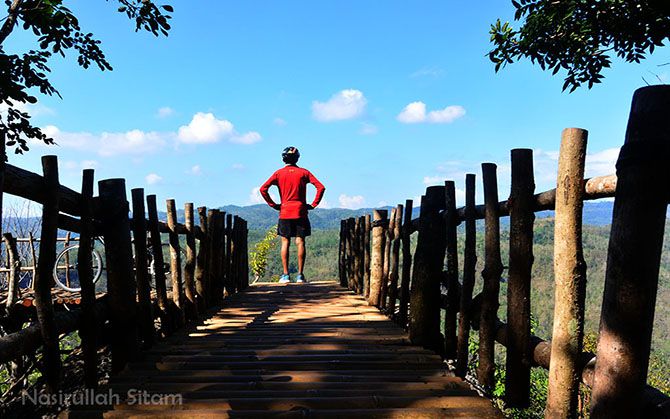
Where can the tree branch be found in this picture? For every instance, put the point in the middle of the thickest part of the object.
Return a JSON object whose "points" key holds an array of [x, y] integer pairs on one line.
{"points": [[9, 24]]}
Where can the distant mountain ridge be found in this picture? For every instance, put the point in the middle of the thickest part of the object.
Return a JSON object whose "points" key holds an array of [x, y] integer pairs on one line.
{"points": [[262, 217]]}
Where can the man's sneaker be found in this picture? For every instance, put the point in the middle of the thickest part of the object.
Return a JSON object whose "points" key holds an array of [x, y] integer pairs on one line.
{"points": [[300, 278], [284, 279]]}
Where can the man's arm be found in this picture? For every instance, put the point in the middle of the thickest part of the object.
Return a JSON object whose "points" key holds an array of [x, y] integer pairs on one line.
{"points": [[265, 188], [320, 189]]}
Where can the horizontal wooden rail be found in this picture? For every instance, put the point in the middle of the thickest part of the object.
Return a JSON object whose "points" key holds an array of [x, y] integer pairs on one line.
{"points": [[594, 188], [22, 183], [28, 340]]}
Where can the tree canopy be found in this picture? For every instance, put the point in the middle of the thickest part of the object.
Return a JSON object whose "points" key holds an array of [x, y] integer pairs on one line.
{"points": [[580, 36], [57, 31]]}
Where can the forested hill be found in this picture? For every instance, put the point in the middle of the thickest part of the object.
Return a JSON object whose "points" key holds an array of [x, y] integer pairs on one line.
{"points": [[262, 217]]}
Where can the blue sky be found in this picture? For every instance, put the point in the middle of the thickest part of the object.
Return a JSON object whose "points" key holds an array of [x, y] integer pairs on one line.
{"points": [[381, 97]]}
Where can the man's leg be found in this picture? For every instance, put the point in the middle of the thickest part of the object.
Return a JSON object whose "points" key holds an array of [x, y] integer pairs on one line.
{"points": [[300, 242], [285, 245]]}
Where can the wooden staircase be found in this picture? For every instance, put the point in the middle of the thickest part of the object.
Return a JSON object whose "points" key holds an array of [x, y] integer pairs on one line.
{"points": [[295, 350]]}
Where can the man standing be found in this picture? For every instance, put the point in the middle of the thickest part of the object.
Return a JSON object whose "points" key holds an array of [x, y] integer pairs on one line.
{"points": [[293, 220]]}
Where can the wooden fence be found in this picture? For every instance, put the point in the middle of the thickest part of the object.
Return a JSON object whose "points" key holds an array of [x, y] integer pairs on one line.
{"points": [[410, 292], [123, 318]]}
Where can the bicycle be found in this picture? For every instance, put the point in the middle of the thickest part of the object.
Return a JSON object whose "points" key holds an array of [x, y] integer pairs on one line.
{"points": [[65, 271], [67, 263]]}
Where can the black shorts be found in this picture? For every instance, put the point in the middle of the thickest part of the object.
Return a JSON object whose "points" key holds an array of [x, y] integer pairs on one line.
{"points": [[295, 227]]}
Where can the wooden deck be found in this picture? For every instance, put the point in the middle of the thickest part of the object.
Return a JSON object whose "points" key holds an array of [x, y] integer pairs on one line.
{"points": [[312, 350]]}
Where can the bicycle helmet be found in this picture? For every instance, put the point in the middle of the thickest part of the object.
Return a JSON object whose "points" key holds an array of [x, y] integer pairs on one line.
{"points": [[290, 155]]}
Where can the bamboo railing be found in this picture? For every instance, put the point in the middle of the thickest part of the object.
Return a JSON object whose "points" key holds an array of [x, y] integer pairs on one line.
{"points": [[617, 373], [123, 317]]}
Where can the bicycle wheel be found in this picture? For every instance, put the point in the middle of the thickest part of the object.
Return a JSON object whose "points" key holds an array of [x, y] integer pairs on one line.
{"points": [[66, 273]]}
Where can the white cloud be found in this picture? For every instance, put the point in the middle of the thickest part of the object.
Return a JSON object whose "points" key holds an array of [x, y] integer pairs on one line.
{"points": [[602, 163], [108, 143], [324, 204], [446, 115], [351, 202], [75, 165], [280, 122], [205, 128], [346, 104], [89, 164], [368, 129], [32, 109], [152, 179], [433, 180], [165, 112], [415, 113], [255, 196], [237, 166], [248, 138], [195, 170]]}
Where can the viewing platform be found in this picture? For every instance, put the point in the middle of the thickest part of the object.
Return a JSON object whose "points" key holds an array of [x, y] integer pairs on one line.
{"points": [[295, 350]]}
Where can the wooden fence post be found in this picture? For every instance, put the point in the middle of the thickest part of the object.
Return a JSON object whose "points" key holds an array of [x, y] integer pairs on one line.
{"points": [[245, 254], [342, 256], [519, 356], [451, 273], [227, 241], [377, 256], [394, 262], [360, 249], [201, 262], [229, 226], [388, 238], [493, 269], [175, 262], [215, 220], [146, 326], [121, 288], [406, 233], [351, 252], [189, 265], [469, 266], [14, 262], [88, 330], [43, 279], [356, 240], [424, 315], [211, 236], [636, 240], [167, 321], [235, 257], [570, 278], [366, 255]]}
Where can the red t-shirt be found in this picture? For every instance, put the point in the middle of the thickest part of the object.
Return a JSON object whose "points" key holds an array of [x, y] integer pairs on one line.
{"points": [[292, 183]]}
